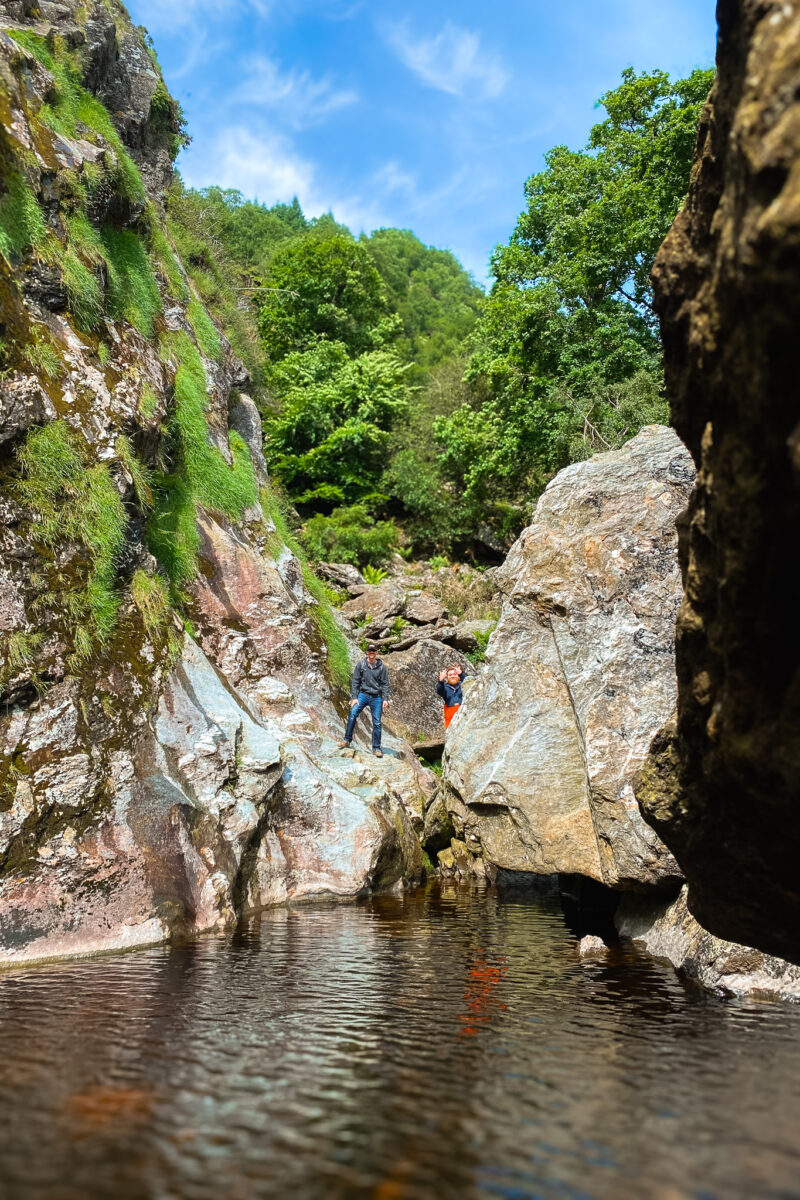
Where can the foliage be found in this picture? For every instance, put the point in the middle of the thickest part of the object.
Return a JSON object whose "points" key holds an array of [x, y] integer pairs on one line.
{"points": [[200, 473], [349, 535], [482, 638], [437, 301], [73, 502], [21, 222], [165, 259], [132, 289], [329, 443], [141, 475], [194, 227], [374, 575], [18, 653], [322, 287], [567, 345]]}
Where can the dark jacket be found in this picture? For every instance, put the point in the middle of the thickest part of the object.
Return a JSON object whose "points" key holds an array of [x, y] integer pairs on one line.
{"points": [[451, 695], [373, 681]]}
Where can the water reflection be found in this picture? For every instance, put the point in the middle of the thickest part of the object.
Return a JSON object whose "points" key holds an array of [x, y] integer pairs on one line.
{"points": [[445, 1043]]}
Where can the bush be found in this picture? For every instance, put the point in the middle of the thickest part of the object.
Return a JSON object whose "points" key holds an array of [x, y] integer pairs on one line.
{"points": [[349, 535]]}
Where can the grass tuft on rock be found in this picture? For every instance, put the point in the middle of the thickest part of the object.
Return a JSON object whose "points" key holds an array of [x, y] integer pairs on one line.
{"points": [[141, 475], [132, 289], [201, 474], [73, 502], [150, 595], [21, 222], [205, 330]]}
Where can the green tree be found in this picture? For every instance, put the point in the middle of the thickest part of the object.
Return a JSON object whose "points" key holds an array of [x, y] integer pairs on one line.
{"points": [[323, 287], [328, 444], [568, 344]]}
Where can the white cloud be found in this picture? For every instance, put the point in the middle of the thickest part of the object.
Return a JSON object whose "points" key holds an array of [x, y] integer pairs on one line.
{"points": [[452, 61], [392, 178], [302, 99], [259, 164]]}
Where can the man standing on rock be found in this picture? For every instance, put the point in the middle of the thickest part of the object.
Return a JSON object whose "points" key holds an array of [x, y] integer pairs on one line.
{"points": [[369, 688]]}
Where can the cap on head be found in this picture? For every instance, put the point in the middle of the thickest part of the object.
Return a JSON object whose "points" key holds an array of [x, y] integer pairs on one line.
{"points": [[372, 648]]}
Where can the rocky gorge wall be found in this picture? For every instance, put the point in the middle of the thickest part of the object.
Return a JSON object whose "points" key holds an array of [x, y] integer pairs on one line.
{"points": [[169, 666], [723, 781]]}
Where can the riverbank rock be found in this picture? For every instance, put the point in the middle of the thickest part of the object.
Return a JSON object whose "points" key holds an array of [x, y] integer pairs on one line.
{"points": [[579, 673], [668, 930], [722, 784]]}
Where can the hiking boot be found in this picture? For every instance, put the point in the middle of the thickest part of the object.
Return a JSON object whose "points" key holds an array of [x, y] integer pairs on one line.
{"points": [[378, 753], [343, 745]]}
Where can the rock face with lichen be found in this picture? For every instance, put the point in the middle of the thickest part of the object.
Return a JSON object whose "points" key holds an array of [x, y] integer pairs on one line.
{"points": [[722, 782], [579, 674], [170, 673]]}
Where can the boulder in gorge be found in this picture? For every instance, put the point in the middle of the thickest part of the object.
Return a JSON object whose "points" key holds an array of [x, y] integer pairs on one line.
{"points": [[722, 784], [579, 673]]}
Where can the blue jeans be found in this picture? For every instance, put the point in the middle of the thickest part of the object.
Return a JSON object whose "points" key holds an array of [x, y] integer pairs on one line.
{"points": [[375, 705]]}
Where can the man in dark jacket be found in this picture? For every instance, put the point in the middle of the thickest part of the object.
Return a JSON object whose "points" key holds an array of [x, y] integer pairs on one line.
{"points": [[369, 688]]}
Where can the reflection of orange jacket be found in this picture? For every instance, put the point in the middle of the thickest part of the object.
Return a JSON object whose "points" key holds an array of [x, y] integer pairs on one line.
{"points": [[450, 711]]}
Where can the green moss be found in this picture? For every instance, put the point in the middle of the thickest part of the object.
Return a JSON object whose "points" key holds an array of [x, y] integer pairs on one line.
{"points": [[132, 289], [72, 502], [201, 475], [72, 106], [21, 222], [104, 354], [205, 330]]}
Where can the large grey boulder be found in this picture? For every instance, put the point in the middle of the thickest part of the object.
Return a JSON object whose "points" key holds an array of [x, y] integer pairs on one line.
{"points": [[579, 673], [416, 713]]}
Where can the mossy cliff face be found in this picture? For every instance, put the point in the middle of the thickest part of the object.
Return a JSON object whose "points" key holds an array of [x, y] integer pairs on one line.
{"points": [[722, 783], [168, 666]]}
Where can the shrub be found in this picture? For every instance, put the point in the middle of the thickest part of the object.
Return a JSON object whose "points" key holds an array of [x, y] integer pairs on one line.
{"points": [[374, 574], [349, 535]]}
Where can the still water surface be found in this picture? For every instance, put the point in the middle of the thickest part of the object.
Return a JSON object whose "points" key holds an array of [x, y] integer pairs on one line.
{"points": [[447, 1044]]}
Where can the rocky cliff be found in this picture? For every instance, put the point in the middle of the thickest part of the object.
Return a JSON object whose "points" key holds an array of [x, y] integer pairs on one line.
{"points": [[722, 784], [170, 670], [579, 674]]}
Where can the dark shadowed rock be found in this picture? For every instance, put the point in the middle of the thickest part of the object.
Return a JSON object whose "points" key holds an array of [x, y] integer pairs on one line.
{"points": [[579, 673], [722, 784]]}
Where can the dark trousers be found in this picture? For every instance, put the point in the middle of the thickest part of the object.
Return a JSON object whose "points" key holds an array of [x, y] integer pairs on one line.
{"points": [[375, 705]]}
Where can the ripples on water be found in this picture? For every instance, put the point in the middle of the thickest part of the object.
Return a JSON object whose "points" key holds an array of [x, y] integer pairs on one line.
{"points": [[449, 1043]]}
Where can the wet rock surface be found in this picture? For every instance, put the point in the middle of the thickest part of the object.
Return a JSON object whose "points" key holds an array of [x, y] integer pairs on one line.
{"points": [[722, 783], [668, 930], [579, 674]]}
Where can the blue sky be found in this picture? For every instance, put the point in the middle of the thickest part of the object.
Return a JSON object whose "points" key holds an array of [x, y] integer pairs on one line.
{"points": [[428, 116]]}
